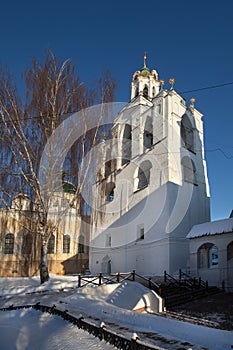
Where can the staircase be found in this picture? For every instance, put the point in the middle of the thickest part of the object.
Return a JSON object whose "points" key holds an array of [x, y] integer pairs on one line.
{"points": [[178, 291]]}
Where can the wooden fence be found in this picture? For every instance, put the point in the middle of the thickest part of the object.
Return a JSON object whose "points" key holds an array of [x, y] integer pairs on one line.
{"points": [[100, 279], [101, 331]]}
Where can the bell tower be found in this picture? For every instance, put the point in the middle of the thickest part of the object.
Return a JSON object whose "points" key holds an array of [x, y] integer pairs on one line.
{"points": [[155, 186], [145, 82]]}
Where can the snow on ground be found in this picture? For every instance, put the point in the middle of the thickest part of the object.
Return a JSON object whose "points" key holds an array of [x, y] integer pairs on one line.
{"points": [[112, 304], [30, 329]]}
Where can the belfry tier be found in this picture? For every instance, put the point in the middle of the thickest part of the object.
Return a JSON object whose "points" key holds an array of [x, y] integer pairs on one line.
{"points": [[145, 83]]}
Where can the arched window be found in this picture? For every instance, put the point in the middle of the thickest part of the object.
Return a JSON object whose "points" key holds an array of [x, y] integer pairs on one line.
{"points": [[153, 91], [81, 245], [148, 133], [189, 170], [136, 91], [9, 243], [110, 191], [187, 133], [230, 251], [126, 144], [207, 256], [107, 170], [27, 244], [51, 244], [143, 176], [66, 244], [145, 91]]}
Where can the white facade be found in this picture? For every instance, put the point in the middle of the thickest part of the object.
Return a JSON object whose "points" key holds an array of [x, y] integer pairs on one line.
{"points": [[153, 183]]}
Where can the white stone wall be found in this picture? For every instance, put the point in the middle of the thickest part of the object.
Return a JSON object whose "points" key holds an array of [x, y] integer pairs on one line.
{"points": [[167, 208], [217, 274]]}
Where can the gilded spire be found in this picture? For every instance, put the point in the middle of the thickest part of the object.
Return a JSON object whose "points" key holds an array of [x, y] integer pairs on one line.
{"points": [[172, 82], [192, 100], [144, 60], [161, 83]]}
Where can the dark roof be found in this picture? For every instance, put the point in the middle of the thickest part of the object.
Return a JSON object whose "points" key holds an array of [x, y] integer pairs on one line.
{"points": [[68, 187]]}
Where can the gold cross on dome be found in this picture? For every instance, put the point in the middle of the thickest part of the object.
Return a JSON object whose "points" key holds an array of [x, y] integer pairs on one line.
{"points": [[144, 59]]}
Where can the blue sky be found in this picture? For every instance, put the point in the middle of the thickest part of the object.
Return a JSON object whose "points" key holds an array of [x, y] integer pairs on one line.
{"points": [[190, 41]]}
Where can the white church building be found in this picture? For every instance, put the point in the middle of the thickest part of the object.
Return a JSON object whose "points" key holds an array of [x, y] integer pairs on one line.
{"points": [[152, 183]]}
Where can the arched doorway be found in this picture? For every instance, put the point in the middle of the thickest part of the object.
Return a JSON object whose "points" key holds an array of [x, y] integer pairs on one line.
{"points": [[106, 265]]}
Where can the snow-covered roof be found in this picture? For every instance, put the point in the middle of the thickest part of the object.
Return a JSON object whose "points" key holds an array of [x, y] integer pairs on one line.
{"points": [[211, 228]]}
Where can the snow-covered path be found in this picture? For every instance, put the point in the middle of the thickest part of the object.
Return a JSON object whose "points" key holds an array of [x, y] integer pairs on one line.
{"points": [[28, 329], [102, 305]]}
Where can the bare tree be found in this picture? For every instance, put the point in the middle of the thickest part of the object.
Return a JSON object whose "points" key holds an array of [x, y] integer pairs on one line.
{"points": [[53, 92]]}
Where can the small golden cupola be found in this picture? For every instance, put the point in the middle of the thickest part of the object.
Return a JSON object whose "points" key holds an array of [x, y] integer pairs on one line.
{"points": [[145, 82]]}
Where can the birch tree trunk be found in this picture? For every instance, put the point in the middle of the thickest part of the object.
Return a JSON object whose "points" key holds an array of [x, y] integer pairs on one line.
{"points": [[44, 271]]}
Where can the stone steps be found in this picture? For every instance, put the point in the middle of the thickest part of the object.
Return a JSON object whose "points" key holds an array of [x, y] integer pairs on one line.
{"points": [[175, 295]]}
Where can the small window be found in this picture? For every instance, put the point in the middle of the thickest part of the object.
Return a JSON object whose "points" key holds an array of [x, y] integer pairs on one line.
{"points": [[153, 91], [9, 244], [66, 244], [108, 241], [27, 244], [110, 191], [145, 91], [81, 245], [51, 245], [140, 232]]}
